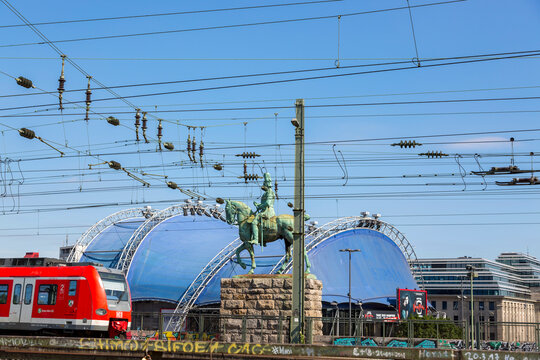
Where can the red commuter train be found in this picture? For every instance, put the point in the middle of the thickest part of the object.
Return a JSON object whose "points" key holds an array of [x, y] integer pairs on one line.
{"points": [[85, 300]]}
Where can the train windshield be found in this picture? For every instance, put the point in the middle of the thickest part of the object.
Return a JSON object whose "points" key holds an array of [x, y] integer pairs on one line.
{"points": [[115, 287]]}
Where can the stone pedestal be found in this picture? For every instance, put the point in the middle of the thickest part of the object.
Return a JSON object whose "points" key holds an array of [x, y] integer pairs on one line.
{"points": [[257, 308]]}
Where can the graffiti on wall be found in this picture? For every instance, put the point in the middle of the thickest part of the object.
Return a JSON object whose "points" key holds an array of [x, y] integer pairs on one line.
{"points": [[436, 344], [170, 335]]}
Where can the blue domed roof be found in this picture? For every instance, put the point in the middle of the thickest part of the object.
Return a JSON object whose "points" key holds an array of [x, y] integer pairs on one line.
{"points": [[376, 271], [173, 253], [107, 246]]}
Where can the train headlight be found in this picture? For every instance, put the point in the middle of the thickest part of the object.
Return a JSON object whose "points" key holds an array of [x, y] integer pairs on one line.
{"points": [[101, 311]]}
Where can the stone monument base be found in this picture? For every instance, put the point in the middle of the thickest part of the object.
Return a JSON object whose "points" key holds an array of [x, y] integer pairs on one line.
{"points": [[257, 308]]}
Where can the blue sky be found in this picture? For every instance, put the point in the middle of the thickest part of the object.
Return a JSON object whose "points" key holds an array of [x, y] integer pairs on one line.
{"points": [[438, 214]]}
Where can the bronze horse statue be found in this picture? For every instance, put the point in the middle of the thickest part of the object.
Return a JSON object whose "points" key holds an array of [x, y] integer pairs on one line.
{"points": [[274, 228]]}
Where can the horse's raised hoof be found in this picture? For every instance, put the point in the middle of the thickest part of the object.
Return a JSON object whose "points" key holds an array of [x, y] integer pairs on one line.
{"points": [[242, 265]]}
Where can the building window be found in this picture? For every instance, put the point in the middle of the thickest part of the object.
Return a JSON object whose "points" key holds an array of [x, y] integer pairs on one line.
{"points": [[480, 305], [455, 305], [491, 318], [434, 304], [47, 294], [481, 318], [72, 287], [28, 294], [492, 305], [444, 306], [17, 294], [456, 318], [3, 294]]}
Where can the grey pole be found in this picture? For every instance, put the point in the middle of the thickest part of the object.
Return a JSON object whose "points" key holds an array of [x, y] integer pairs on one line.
{"points": [[472, 275], [461, 305], [297, 321], [350, 251]]}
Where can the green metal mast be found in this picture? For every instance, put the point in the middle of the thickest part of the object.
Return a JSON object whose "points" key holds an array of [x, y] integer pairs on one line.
{"points": [[297, 320]]}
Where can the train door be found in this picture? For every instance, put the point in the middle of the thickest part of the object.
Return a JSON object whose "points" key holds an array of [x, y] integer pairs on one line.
{"points": [[16, 300], [27, 300]]}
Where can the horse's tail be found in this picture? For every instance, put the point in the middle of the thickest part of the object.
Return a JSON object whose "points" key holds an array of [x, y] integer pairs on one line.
{"points": [[306, 217]]}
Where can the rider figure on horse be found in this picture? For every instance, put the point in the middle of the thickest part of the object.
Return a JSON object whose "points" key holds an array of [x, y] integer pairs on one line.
{"points": [[265, 210]]}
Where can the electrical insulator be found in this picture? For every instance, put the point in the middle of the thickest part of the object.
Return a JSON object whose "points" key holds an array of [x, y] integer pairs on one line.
{"points": [[144, 127], [247, 155], [137, 123], [201, 152], [218, 167], [250, 177], [159, 133], [88, 98], [433, 154], [113, 121], [188, 148], [168, 146], [114, 165], [193, 149], [24, 82], [172, 185], [407, 144], [27, 133], [30, 134], [61, 82]]}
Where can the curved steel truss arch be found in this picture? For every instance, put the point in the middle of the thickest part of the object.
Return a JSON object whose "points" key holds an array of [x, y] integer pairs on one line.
{"points": [[197, 286], [321, 234], [157, 218], [192, 293], [86, 239]]}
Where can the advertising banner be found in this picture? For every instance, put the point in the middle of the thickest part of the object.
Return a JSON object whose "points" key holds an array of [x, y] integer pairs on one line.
{"points": [[411, 302]]}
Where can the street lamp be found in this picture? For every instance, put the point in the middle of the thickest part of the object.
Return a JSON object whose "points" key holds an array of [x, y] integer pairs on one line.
{"points": [[471, 273], [359, 303], [462, 298], [350, 251]]}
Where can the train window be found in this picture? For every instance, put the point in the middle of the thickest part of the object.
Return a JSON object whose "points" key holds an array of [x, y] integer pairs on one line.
{"points": [[72, 287], [47, 294], [3, 294], [115, 286], [28, 294], [17, 294]]}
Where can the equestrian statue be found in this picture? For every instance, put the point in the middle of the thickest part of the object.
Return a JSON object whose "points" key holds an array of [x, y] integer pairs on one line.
{"points": [[261, 226]]}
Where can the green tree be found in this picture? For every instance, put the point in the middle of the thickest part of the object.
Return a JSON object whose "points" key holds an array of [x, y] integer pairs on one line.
{"points": [[426, 327]]}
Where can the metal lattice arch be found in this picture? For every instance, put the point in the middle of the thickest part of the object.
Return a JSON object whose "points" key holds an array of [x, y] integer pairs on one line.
{"points": [[86, 239], [159, 217], [195, 248], [314, 237], [323, 233]]}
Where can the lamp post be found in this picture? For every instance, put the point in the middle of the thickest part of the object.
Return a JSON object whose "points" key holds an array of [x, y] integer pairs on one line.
{"points": [[462, 299], [472, 274], [350, 251], [359, 303]]}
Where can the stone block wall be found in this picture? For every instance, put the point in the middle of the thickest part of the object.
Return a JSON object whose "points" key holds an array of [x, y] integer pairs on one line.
{"points": [[261, 306]]}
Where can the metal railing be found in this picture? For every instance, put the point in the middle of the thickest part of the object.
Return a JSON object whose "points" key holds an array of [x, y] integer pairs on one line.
{"points": [[417, 333]]}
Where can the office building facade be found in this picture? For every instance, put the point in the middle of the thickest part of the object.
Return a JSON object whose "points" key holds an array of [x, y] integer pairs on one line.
{"points": [[505, 293]]}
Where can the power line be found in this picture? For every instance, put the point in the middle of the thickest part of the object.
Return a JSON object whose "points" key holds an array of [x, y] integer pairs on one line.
{"points": [[521, 55], [230, 26], [300, 71], [170, 13]]}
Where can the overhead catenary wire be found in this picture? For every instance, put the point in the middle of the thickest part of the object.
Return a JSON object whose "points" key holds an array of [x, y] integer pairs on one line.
{"points": [[116, 97], [218, 27], [191, 12]]}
